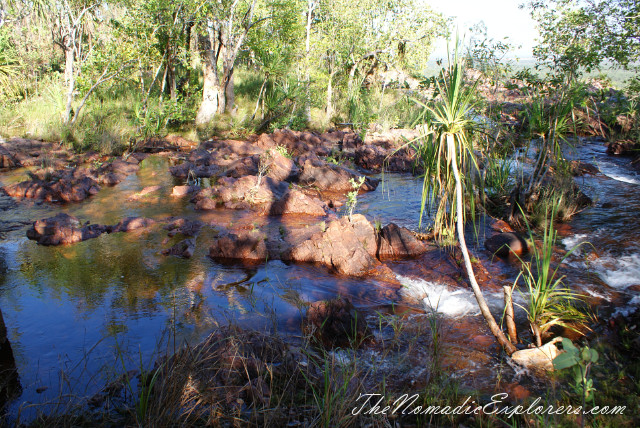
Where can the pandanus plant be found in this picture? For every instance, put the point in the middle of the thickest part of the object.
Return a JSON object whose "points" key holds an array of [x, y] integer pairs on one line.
{"points": [[446, 154]]}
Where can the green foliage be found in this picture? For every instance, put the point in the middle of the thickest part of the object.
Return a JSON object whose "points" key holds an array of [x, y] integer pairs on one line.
{"points": [[448, 118], [352, 197], [580, 360], [548, 301]]}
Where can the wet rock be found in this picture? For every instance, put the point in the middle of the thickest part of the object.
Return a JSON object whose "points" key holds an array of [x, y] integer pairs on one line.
{"points": [[623, 148], [398, 242], [336, 322], [131, 223], [244, 245], [63, 229], [501, 226], [579, 168], [184, 249], [206, 204], [504, 243], [348, 247], [334, 178], [184, 226]]}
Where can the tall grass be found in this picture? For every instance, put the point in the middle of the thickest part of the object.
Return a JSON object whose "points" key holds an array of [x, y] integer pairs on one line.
{"points": [[549, 302]]}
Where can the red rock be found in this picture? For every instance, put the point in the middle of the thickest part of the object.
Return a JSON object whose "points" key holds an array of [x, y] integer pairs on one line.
{"points": [[206, 204], [63, 229], [398, 242], [334, 178], [349, 247], [296, 202], [181, 191], [183, 226]]}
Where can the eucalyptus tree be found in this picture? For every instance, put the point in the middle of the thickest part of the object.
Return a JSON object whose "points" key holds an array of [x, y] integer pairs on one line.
{"points": [[582, 35], [224, 26], [356, 39]]}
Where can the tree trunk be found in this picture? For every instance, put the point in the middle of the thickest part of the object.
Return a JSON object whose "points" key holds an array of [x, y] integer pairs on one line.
{"points": [[229, 93], [211, 92], [509, 315], [329, 109], [69, 75], [482, 303]]}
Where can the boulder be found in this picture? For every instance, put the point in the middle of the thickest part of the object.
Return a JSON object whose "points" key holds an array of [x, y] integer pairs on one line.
{"points": [[244, 245], [504, 243], [58, 186], [336, 322], [538, 358], [346, 246], [398, 242]]}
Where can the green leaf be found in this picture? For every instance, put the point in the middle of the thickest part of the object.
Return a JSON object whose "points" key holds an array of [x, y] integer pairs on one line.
{"points": [[568, 346], [564, 360]]}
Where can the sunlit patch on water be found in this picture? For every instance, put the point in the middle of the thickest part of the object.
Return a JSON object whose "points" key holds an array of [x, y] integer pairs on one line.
{"points": [[632, 307]]}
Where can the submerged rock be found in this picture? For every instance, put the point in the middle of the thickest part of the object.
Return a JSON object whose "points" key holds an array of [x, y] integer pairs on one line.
{"points": [[336, 322], [244, 245], [184, 248]]}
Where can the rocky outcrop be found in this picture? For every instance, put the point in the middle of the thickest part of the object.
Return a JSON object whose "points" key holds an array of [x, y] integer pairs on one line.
{"points": [[71, 185], [63, 229], [66, 229], [294, 201], [398, 243], [336, 322], [346, 246], [504, 243]]}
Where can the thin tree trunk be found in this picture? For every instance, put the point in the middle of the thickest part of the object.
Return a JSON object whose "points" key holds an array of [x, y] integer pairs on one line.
{"points": [[69, 74], [482, 303], [329, 110], [264, 83], [509, 315]]}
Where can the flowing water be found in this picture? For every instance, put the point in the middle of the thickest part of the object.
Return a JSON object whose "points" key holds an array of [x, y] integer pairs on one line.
{"points": [[75, 309]]}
